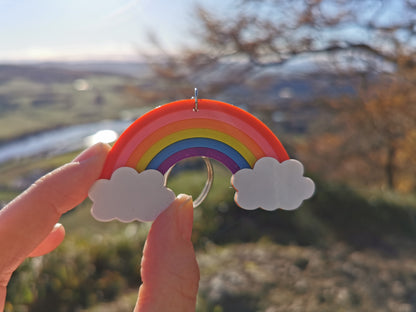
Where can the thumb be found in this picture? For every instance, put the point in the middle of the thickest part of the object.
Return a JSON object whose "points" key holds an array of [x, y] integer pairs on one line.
{"points": [[169, 270]]}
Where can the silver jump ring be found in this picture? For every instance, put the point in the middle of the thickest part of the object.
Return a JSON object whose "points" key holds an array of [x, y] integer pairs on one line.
{"points": [[195, 97], [208, 183]]}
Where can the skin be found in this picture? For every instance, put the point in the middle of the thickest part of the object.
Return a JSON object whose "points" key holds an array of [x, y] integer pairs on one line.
{"points": [[29, 227]]}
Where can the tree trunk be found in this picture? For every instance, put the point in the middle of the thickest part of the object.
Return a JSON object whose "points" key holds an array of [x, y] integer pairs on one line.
{"points": [[390, 166]]}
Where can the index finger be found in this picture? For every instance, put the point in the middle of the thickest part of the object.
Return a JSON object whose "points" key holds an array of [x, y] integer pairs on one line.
{"points": [[28, 219]]}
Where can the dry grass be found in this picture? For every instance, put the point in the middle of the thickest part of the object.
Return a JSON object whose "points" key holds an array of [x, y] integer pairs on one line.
{"points": [[272, 278]]}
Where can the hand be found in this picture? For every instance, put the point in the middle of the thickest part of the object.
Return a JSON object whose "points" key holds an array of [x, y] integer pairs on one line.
{"points": [[28, 228]]}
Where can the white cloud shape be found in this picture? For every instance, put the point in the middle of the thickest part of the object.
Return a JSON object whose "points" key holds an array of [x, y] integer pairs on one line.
{"points": [[271, 185], [130, 196]]}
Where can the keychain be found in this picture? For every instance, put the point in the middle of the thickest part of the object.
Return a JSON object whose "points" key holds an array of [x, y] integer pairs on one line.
{"points": [[132, 185]]}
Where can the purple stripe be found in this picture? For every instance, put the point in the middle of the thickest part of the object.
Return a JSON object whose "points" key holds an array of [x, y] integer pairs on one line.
{"points": [[199, 151]]}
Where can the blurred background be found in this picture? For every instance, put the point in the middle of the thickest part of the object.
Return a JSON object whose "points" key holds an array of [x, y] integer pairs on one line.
{"points": [[334, 79]]}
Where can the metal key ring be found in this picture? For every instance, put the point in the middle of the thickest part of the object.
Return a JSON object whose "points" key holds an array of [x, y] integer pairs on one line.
{"points": [[208, 183]]}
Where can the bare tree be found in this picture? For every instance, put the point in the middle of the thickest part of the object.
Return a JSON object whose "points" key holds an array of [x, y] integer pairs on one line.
{"points": [[372, 41]]}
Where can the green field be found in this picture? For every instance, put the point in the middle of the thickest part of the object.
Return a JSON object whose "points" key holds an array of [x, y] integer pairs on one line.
{"points": [[29, 105]]}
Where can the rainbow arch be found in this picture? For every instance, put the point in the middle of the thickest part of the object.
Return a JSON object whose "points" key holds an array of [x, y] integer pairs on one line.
{"points": [[174, 131]]}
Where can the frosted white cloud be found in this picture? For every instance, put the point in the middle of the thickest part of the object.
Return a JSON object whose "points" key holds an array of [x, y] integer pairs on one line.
{"points": [[130, 196], [271, 185]]}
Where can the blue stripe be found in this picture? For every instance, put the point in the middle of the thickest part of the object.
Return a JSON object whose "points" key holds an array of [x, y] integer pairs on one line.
{"points": [[198, 142]]}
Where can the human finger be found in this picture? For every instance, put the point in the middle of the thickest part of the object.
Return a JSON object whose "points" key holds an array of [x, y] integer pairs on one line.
{"points": [[169, 270], [29, 219], [53, 240]]}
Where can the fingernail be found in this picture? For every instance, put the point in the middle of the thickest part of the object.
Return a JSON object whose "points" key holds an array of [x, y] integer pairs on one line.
{"points": [[185, 216], [91, 152], [58, 227]]}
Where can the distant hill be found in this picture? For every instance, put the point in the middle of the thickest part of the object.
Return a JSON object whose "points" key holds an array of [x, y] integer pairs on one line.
{"points": [[63, 72], [284, 85], [40, 75], [133, 69]]}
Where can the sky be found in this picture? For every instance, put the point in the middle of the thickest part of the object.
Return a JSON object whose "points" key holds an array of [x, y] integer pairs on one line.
{"points": [[45, 30], [71, 30]]}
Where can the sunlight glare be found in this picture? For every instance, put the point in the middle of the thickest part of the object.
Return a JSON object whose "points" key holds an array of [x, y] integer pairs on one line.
{"points": [[104, 136]]}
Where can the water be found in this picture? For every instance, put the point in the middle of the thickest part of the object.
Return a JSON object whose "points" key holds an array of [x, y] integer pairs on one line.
{"points": [[59, 141]]}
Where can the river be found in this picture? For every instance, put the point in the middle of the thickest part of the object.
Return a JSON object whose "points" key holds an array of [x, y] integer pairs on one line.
{"points": [[63, 140]]}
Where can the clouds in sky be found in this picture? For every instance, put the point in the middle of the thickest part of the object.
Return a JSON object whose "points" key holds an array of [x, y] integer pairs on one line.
{"points": [[271, 185], [130, 196]]}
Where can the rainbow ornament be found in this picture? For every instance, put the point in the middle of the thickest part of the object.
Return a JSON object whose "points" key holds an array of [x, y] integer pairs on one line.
{"points": [[174, 131], [132, 181]]}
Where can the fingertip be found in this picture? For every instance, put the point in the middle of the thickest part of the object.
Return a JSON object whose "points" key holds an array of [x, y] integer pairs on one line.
{"points": [[93, 151], [58, 227], [175, 222], [73, 180], [53, 240], [184, 197]]}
